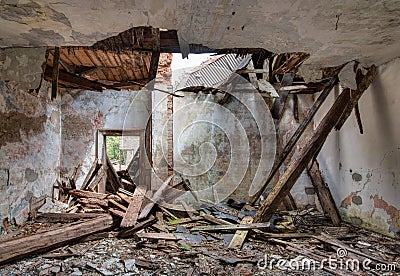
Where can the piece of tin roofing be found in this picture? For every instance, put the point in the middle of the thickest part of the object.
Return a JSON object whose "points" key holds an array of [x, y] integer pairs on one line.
{"points": [[215, 71]]}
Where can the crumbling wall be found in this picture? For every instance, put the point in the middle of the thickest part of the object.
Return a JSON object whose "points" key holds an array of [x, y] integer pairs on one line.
{"points": [[362, 170], [83, 112], [22, 65], [29, 149], [218, 144]]}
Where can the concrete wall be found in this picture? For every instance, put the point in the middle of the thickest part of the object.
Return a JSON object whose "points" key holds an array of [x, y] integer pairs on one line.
{"points": [[362, 170], [30, 139]]}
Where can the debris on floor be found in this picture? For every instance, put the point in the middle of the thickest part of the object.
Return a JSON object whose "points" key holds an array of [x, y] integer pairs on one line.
{"points": [[126, 232]]}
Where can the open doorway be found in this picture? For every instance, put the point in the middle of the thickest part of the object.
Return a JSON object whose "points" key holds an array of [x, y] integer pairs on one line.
{"points": [[123, 151]]}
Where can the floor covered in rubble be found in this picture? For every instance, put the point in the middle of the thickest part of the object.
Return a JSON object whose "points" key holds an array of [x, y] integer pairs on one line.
{"points": [[200, 243]]}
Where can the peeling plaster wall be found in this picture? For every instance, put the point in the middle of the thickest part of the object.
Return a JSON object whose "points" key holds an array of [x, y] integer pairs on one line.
{"points": [[362, 170], [29, 149], [23, 65], [83, 112], [218, 147]]}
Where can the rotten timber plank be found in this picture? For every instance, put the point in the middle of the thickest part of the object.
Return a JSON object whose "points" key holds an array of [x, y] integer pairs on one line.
{"points": [[87, 194], [323, 193], [55, 73], [156, 197], [18, 248], [132, 213], [243, 226], [157, 236], [240, 235], [312, 146], [141, 225]]}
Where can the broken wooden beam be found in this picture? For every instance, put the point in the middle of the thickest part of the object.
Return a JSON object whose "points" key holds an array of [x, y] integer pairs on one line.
{"points": [[323, 193], [156, 197], [132, 213], [141, 225], [157, 236], [311, 146], [295, 137], [231, 227], [71, 80], [87, 194], [240, 235], [55, 73], [21, 247]]}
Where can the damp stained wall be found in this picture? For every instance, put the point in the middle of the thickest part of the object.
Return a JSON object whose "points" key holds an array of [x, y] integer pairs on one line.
{"points": [[83, 112], [30, 139], [218, 147], [363, 170]]}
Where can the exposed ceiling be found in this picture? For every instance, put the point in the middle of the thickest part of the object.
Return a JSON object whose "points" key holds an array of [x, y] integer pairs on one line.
{"points": [[333, 32]]}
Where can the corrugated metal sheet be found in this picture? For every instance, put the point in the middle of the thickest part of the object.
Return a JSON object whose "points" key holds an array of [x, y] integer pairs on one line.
{"points": [[215, 71]]}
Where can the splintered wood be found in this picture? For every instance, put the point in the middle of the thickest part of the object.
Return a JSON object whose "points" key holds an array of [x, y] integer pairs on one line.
{"points": [[132, 213]]}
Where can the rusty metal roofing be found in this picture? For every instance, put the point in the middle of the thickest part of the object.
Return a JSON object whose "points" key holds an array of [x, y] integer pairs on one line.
{"points": [[215, 71]]}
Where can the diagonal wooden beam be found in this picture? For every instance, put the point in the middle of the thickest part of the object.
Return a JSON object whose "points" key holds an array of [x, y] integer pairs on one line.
{"points": [[295, 137], [312, 145], [323, 193]]}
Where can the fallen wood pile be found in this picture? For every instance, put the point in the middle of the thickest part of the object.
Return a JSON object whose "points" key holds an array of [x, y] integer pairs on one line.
{"points": [[202, 237]]}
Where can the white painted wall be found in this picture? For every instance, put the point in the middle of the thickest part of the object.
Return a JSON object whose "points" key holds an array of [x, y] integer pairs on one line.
{"points": [[363, 170]]}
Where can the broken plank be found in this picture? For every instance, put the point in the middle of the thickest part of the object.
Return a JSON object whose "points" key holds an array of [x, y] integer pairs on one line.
{"points": [[93, 201], [63, 217], [156, 197], [215, 220], [189, 211], [90, 174], [124, 197], [295, 137], [116, 212], [240, 235], [132, 213], [21, 247], [324, 237], [157, 236], [87, 194], [311, 147], [232, 227], [55, 73], [99, 177], [308, 253], [184, 220], [120, 206], [141, 225], [323, 193], [71, 80]]}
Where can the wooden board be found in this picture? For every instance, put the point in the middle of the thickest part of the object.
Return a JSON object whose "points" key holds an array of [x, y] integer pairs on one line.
{"points": [[18, 248], [323, 193], [132, 214], [156, 197], [240, 235]]}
